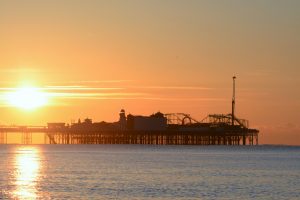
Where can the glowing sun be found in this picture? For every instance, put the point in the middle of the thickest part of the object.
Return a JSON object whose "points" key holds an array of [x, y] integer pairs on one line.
{"points": [[27, 98]]}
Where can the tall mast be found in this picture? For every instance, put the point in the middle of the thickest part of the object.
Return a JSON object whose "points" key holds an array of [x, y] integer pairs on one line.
{"points": [[233, 101]]}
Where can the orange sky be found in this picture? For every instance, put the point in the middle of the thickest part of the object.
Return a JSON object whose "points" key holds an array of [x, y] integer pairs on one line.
{"points": [[96, 57]]}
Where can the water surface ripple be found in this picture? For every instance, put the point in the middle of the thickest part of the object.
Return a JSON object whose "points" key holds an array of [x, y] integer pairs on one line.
{"points": [[149, 172]]}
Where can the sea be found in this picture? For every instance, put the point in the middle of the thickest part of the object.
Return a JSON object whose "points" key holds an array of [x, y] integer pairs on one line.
{"points": [[149, 172]]}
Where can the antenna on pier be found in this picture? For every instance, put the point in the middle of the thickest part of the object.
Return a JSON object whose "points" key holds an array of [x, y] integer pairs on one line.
{"points": [[233, 101]]}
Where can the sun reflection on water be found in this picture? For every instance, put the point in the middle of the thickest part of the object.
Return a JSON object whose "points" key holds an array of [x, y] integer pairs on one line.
{"points": [[27, 171]]}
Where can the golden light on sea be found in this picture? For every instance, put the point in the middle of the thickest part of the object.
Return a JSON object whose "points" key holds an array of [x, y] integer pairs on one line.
{"points": [[27, 171]]}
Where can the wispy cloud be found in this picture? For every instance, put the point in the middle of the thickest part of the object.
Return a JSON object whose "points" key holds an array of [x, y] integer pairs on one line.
{"points": [[92, 95], [83, 88], [182, 99], [90, 90], [103, 81], [90, 82], [174, 87]]}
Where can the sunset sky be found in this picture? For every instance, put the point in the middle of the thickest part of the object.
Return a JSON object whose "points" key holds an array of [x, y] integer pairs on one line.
{"points": [[91, 58]]}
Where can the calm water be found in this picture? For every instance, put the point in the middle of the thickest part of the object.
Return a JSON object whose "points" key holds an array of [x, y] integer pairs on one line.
{"points": [[149, 172]]}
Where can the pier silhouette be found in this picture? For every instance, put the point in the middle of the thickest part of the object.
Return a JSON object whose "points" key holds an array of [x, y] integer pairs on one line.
{"points": [[156, 129]]}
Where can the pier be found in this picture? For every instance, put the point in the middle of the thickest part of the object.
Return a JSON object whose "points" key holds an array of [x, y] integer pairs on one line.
{"points": [[156, 129], [154, 138], [181, 129]]}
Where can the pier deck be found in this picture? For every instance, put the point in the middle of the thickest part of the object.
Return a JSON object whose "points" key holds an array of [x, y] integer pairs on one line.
{"points": [[212, 136]]}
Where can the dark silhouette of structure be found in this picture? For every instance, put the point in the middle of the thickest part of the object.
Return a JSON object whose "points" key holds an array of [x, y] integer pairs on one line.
{"points": [[233, 101], [158, 128]]}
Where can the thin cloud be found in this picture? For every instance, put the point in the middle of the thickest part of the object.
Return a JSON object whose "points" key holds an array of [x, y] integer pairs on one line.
{"points": [[79, 82], [80, 88], [106, 81], [174, 87], [182, 99], [62, 93], [92, 95], [69, 88]]}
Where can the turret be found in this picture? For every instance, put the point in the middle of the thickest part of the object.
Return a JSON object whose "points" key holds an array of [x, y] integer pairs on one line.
{"points": [[122, 120]]}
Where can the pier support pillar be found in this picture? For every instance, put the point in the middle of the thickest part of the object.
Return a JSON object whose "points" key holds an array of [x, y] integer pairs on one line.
{"points": [[244, 140], [3, 138], [26, 138]]}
